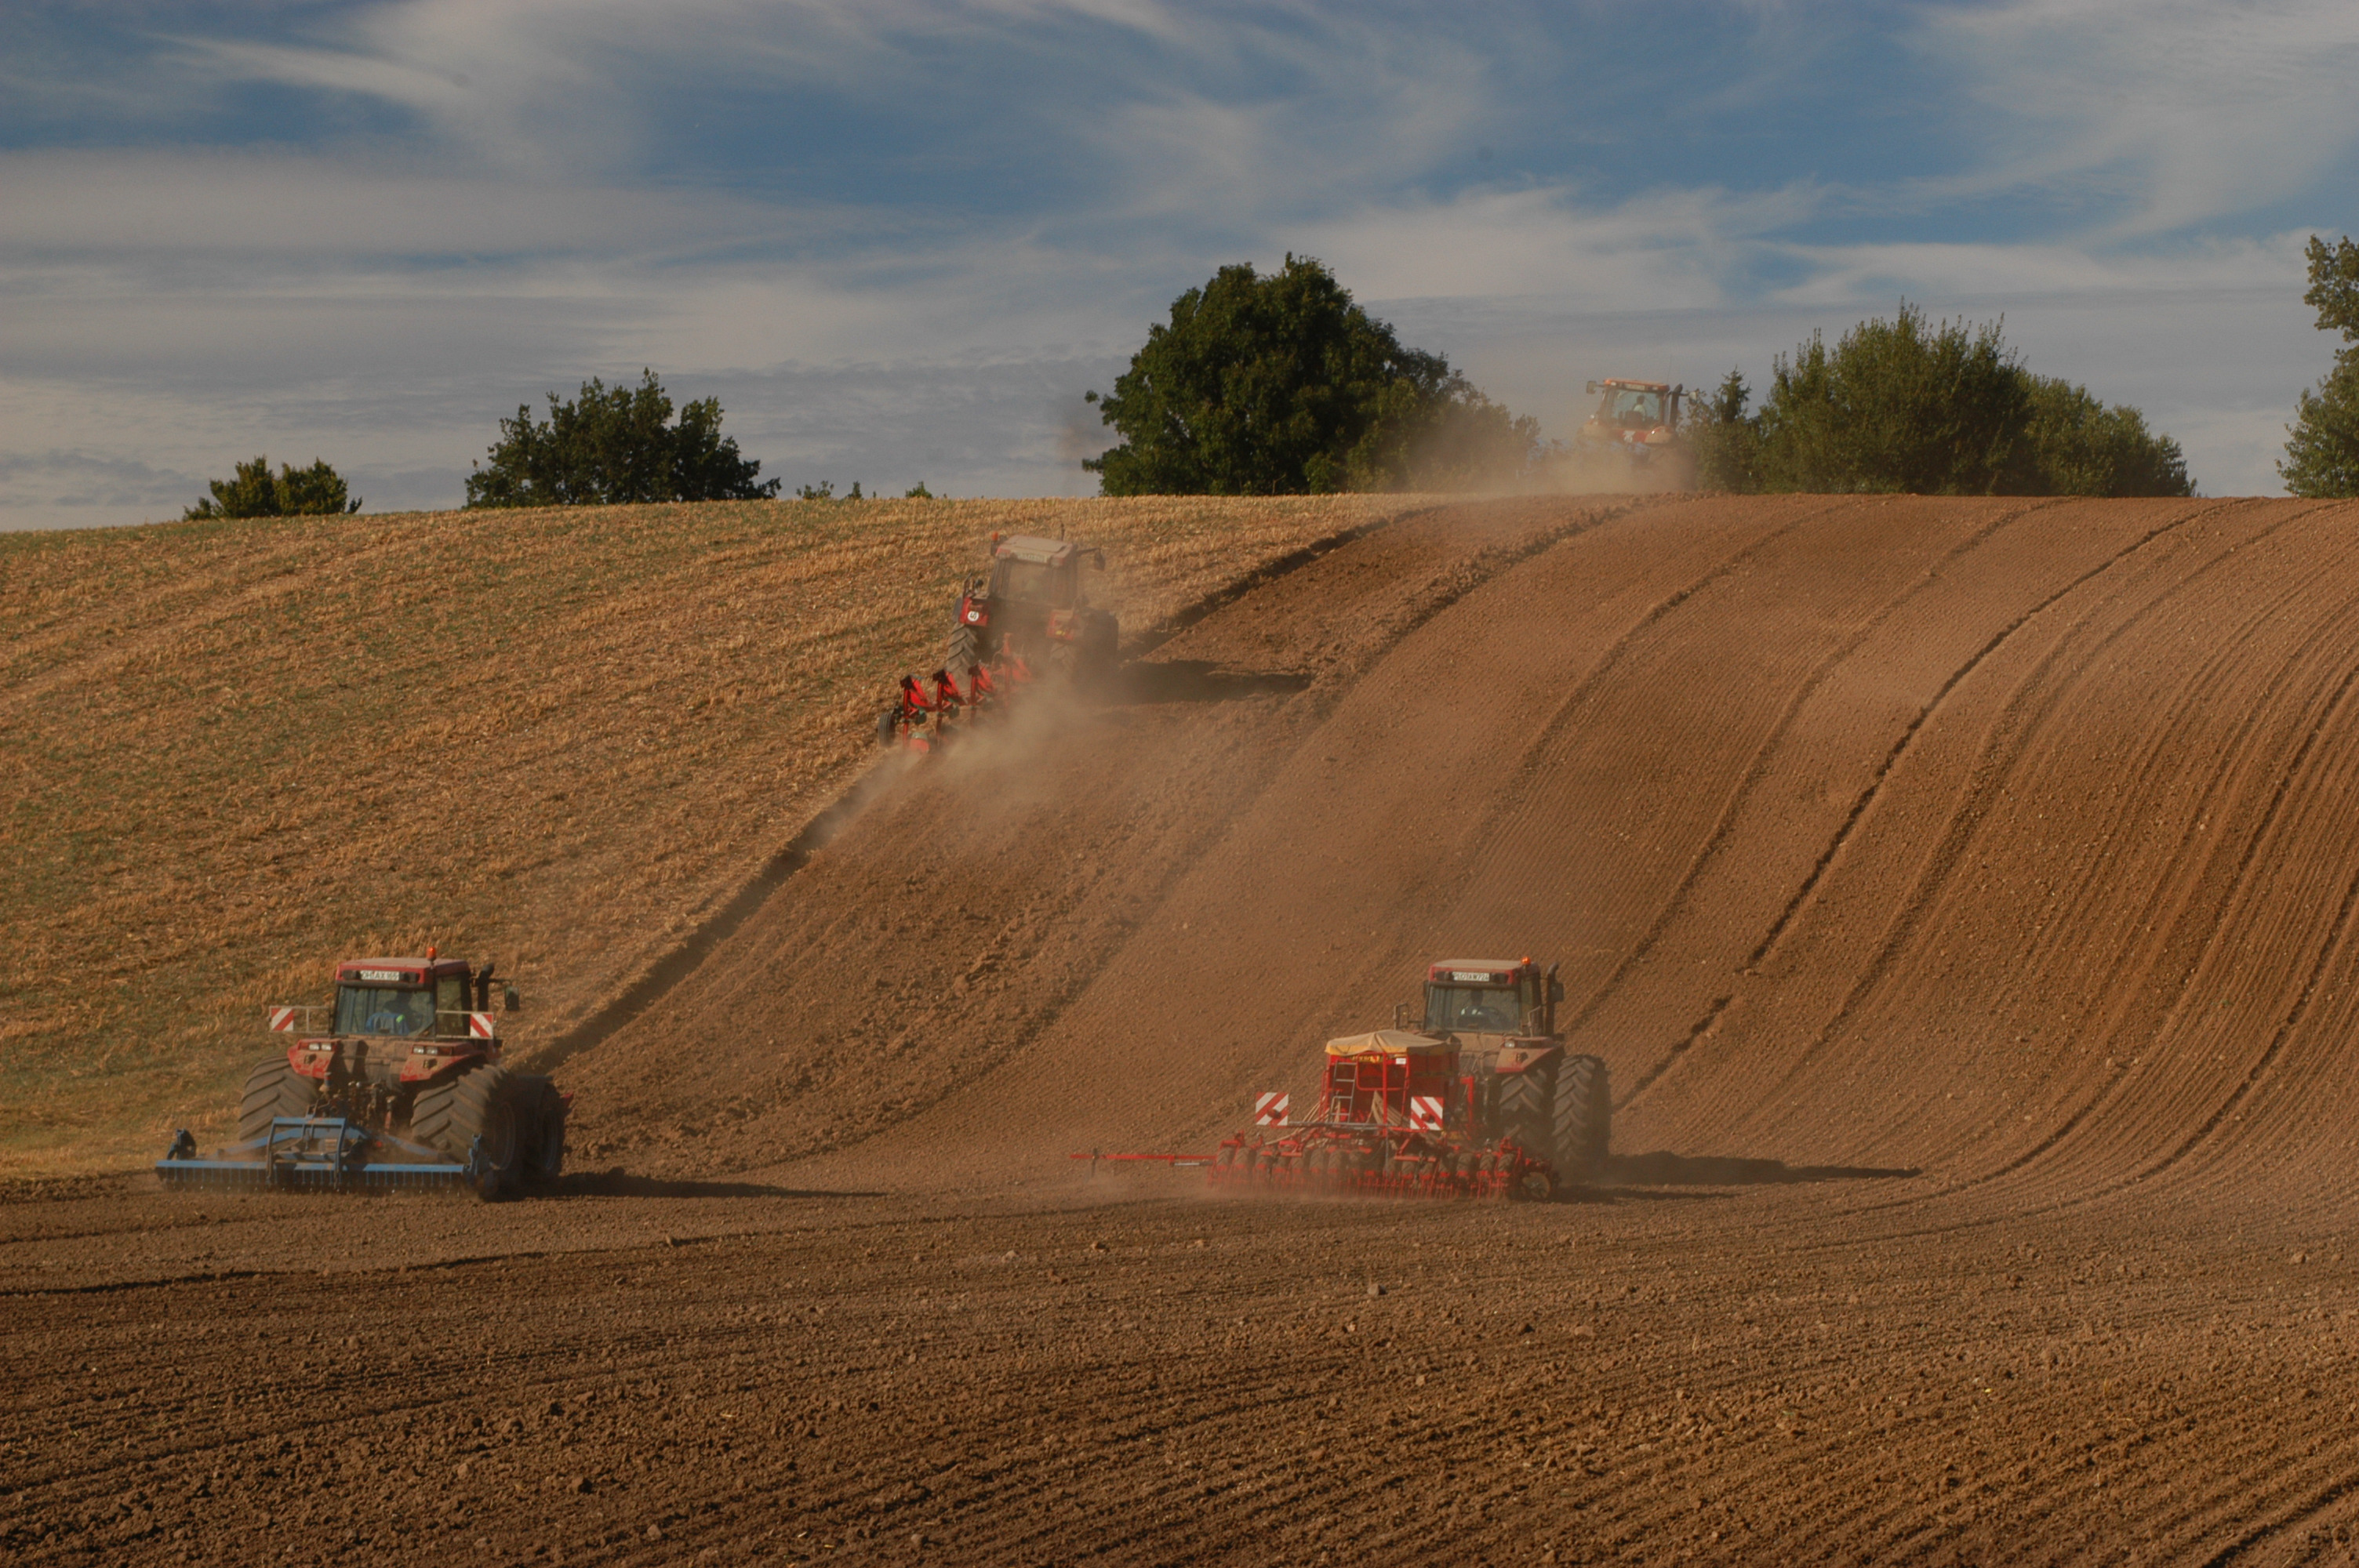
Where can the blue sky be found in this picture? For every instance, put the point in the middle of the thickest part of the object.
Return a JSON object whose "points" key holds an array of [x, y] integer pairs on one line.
{"points": [[899, 238]]}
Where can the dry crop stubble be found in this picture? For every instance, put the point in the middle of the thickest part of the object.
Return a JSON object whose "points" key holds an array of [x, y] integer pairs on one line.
{"points": [[559, 738]]}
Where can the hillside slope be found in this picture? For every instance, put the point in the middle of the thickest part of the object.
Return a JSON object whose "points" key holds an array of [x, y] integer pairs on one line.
{"points": [[2003, 841], [238, 751]]}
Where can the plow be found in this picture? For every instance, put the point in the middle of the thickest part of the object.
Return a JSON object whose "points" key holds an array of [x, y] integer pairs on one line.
{"points": [[1482, 1101], [1027, 620], [397, 1085]]}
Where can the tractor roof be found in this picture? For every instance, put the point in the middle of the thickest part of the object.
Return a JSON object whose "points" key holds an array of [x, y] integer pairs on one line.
{"points": [[399, 971], [1465, 970], [1033, 549], [1388, 1042], [1639, 386]]}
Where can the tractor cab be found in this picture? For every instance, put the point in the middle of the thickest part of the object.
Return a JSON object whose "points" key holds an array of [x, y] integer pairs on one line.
{"points": [[1637, 405], [428, 998], [1491, 996], [1026, 569]]}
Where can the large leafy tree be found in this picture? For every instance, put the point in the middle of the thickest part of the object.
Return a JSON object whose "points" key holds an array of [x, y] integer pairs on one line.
{"points": [[293, 492], [2322, 443], [1280, 385], [612, 446]]}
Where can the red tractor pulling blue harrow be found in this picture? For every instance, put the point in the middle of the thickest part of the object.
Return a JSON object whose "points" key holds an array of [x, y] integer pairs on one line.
{"points": [[404, 1089]]}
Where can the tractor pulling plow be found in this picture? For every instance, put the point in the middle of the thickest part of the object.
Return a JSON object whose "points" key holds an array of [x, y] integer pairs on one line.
{"points": [[1031, 617], [1483, 1101], [406, 1091]]}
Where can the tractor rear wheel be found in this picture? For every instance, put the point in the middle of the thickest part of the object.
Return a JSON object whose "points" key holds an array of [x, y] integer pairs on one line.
{"points": [[541, 1127], [477, 1104], [1584, 1117], [273, 1089], [1527, 1108]]}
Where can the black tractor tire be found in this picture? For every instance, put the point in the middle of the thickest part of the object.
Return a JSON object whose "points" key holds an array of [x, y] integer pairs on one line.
{"points": [[480, 1102], [540, 1126], [273, 1089], [1100, 649], [965, 651], [1585, 1118], [1526, 1108], [888, 724], [1064, 662]]}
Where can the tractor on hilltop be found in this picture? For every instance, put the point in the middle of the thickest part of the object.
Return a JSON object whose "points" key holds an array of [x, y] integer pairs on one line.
{"points": [[1636, 433], [397, 1083]]}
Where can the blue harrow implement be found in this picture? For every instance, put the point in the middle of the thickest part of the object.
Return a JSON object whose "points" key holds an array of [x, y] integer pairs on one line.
{"points": [[324, 1154]]}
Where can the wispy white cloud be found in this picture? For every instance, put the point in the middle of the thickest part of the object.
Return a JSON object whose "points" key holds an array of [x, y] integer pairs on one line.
{"points": [[2186, 110], [530, 199]]}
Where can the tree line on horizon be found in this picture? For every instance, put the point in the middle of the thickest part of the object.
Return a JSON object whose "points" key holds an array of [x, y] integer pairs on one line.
{"points": [[1282, 384]]}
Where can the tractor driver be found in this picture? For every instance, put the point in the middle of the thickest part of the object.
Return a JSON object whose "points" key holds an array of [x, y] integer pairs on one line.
{"points": [[1487, 1010], [403, 1012]]}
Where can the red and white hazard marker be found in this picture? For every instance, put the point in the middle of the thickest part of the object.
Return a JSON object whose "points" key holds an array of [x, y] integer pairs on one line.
{"points": [[282, 1021], [1425, 1112], [481, 1025], [1270, 1110]]}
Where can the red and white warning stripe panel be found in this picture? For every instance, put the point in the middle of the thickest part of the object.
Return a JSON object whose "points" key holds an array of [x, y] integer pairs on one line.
{"points": [[1425, 1112], [282, 1020], [482, 1025], [1270, 1110]]}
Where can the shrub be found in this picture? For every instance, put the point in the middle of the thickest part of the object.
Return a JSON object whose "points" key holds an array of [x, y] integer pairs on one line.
{"points": [[1897, 406], [294, 493], [2080, 447], [1946, 410]]}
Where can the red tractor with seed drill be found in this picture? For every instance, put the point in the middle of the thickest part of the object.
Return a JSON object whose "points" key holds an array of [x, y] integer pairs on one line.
{"points": [[1481, 1100], [401, 1088]]}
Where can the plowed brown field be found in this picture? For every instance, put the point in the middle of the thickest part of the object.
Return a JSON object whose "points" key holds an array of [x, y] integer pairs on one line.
{"points": [[1962, 892]]}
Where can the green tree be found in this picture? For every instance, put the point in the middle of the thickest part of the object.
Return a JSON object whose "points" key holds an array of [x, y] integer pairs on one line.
{"points": [[1727, 440], [1281, 385], [2322, 443], [1896, 405], [1946, 410], [615, 445], [2080, 447], [255, 493]]}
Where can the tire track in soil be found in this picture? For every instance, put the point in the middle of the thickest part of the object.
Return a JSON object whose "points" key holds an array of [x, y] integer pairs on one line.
{"points": [[1866, 799], [2025, 727]]}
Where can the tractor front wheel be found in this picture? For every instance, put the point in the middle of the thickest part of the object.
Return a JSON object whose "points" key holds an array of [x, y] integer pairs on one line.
{"points": [[272, 1091], [471, 1115]]}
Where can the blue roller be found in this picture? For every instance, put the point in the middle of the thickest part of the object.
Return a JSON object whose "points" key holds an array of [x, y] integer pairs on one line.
{"points": [[322, 1155]]}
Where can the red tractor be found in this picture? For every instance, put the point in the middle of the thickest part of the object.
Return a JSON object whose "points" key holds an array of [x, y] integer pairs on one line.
{"points": [[404, 1088], [1031, 616], [1033, 608], [1482, 1101], [1637, 430]]}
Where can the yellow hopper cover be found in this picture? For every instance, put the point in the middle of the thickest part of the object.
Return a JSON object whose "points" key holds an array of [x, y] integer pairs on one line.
{"points": [[1388, 1042]]}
